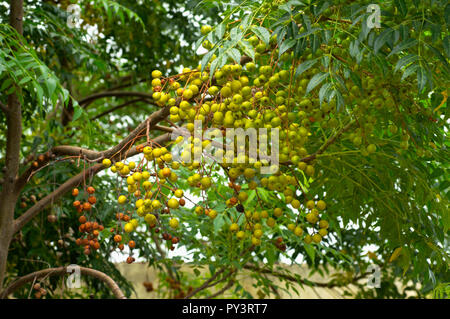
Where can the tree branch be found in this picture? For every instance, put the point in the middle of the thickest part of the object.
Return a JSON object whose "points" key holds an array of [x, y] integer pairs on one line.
{"points": [[91, 98], [61, 271], [71, 183], [117, 107], [330, 284], [67, 150], [221, 291], [327, 144]]}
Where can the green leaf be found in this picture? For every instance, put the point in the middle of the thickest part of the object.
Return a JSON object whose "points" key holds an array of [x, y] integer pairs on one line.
{"points": [[262, 33], [381, 39], [403, 46], [286, 45], [220, 31], [316, 80], [234, 54], [305, 66], [406, 60], [77, 111]]}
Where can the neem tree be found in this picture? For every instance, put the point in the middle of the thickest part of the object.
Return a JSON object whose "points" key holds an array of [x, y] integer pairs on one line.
{"points": [[360, 109]]}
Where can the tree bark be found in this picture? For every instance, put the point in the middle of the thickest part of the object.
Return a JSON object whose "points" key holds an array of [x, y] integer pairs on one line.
{"points": [[8, 197]]}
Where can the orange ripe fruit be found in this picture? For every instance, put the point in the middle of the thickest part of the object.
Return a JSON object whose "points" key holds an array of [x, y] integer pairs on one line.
{"points": [[82, 228], [87, 206], [233, 200], [117, 238], [130, 260], [85, 241], [78, 241], [126, 218], [96, 245], [91, 190], [35, 164], [131, 244], [101, 227], [75, 192], [80, 209], [121, 246], [237, 187], [94, 225], [82, 219], [87, 251], [166, 172], [96, 233], [88, 225], [182, 202], [76, 203], [92, 200]]}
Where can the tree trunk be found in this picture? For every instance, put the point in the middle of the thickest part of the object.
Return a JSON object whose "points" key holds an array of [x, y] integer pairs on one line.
{"points": [[8, 196]]}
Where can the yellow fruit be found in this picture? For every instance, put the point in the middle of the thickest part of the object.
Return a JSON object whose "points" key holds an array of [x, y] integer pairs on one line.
{"points": [[213, 214], [258, 233], [277, 212], [321, 205], [295, 203], [174, 223], [128, 227], [234, 227], [173, 203], [134, 222], [270, 222], [240, 235], [106, 163], [298, 231], [308, 239], [150, 219], [317, 238], [156, 204], [122, 199], [178, 193], [310, 217], [323, 232], [199, 210], [310, 204], [323, 224]]}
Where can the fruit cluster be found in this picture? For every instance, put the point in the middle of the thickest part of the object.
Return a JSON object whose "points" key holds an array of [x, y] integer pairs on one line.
{"points": [[90, 229]]}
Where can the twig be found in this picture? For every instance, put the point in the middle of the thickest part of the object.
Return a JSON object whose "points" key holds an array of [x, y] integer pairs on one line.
{"points": [[221, 291]]}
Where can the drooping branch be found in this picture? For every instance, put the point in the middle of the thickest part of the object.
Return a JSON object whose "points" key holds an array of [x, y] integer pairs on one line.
{"points": [[221, 291], [72, 182], [91, 98], [324, 147], [68, 150], [298, 280], [61, 271]]}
